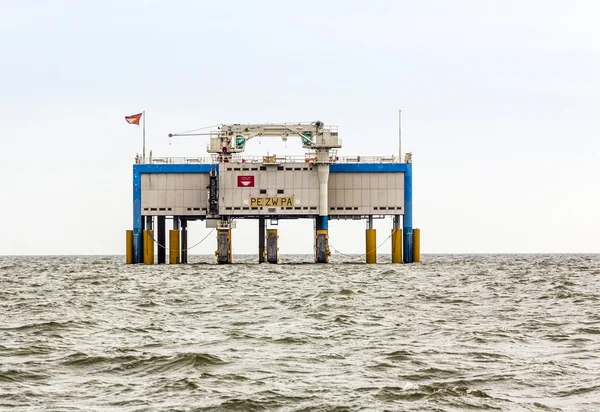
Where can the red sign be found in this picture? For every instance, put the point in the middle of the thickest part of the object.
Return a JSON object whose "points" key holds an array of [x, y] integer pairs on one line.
{"points": [[245, 181]]}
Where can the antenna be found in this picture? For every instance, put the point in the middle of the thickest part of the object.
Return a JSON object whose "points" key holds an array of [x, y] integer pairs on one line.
{"points": [[399, 136]]}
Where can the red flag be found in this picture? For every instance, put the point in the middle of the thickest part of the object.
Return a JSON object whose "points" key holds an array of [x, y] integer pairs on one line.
{"points": [[134, 118]]}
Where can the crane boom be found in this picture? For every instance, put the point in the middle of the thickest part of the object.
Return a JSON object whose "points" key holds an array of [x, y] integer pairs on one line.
{"points": [[232, 138]]}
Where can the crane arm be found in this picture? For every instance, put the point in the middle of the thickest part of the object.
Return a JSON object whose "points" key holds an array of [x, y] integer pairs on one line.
{"points": [[243, 133], [232, 138]]}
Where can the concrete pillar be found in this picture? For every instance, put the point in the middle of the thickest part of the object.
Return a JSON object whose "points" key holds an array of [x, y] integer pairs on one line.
{"points": [[184, 241], [261, 239], [223, 252], [396, 241], [160, 239], [272, 248], [322, 246], [322, 239], [371, 242], [322, 221], [323, 175]]}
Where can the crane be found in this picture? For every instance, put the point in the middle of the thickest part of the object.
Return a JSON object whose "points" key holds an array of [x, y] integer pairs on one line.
{"points": [[232, 138]]}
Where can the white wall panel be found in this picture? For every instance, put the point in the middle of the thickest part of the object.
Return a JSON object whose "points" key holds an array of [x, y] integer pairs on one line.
{"points": [[349, 193]]}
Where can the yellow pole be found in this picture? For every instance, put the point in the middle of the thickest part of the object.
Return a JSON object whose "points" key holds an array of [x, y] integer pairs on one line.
{"points": [[396, 245], [230, 242], [174, 246], [371, 249], [416, 245], [129, 247], [148, 247]]}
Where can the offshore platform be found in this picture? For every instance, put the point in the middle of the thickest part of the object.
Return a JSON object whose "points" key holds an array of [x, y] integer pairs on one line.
{"points": [[320, 186]]}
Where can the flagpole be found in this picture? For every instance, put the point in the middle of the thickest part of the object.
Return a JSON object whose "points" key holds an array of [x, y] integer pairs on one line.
{"points": [[144, 138]]}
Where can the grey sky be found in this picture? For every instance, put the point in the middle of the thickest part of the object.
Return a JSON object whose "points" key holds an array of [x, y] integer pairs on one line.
{"points": [[500, 101]]}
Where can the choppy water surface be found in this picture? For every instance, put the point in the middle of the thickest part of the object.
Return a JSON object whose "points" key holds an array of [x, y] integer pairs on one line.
{"points": [[515, 333]]}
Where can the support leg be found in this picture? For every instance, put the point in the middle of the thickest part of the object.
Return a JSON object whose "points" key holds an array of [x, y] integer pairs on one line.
{"points": [[160, 239], [138, 220], [408, 217], [129, 247], [322, 240], [174, 249], [371, 242], [416, 245], [261, 239], [223, 252], [138, 240], [396, 241], [272, 246], [184, 241], [149, 242]]}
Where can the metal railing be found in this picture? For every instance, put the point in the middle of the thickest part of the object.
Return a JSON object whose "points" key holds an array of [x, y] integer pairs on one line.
{"points": [[307, 158]]}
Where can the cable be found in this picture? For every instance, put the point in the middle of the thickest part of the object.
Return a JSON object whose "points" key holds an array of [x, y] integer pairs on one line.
{"points": [[202, 128], [182, 250], [371, 251]]}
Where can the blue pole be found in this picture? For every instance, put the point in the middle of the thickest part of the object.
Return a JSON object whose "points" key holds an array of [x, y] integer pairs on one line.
{"points": [[322, 222], [407, 225], [138, 256]]}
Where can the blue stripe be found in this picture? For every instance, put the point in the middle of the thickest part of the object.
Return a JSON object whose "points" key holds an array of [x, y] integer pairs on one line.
{"points": [[370, 167], [137, 216], [138, 170], [407, 225], [335, 168], [322, 222], [175, 168]]}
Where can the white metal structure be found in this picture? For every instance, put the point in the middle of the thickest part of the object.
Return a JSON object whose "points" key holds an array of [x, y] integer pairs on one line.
{"points": [[229, 139]]}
